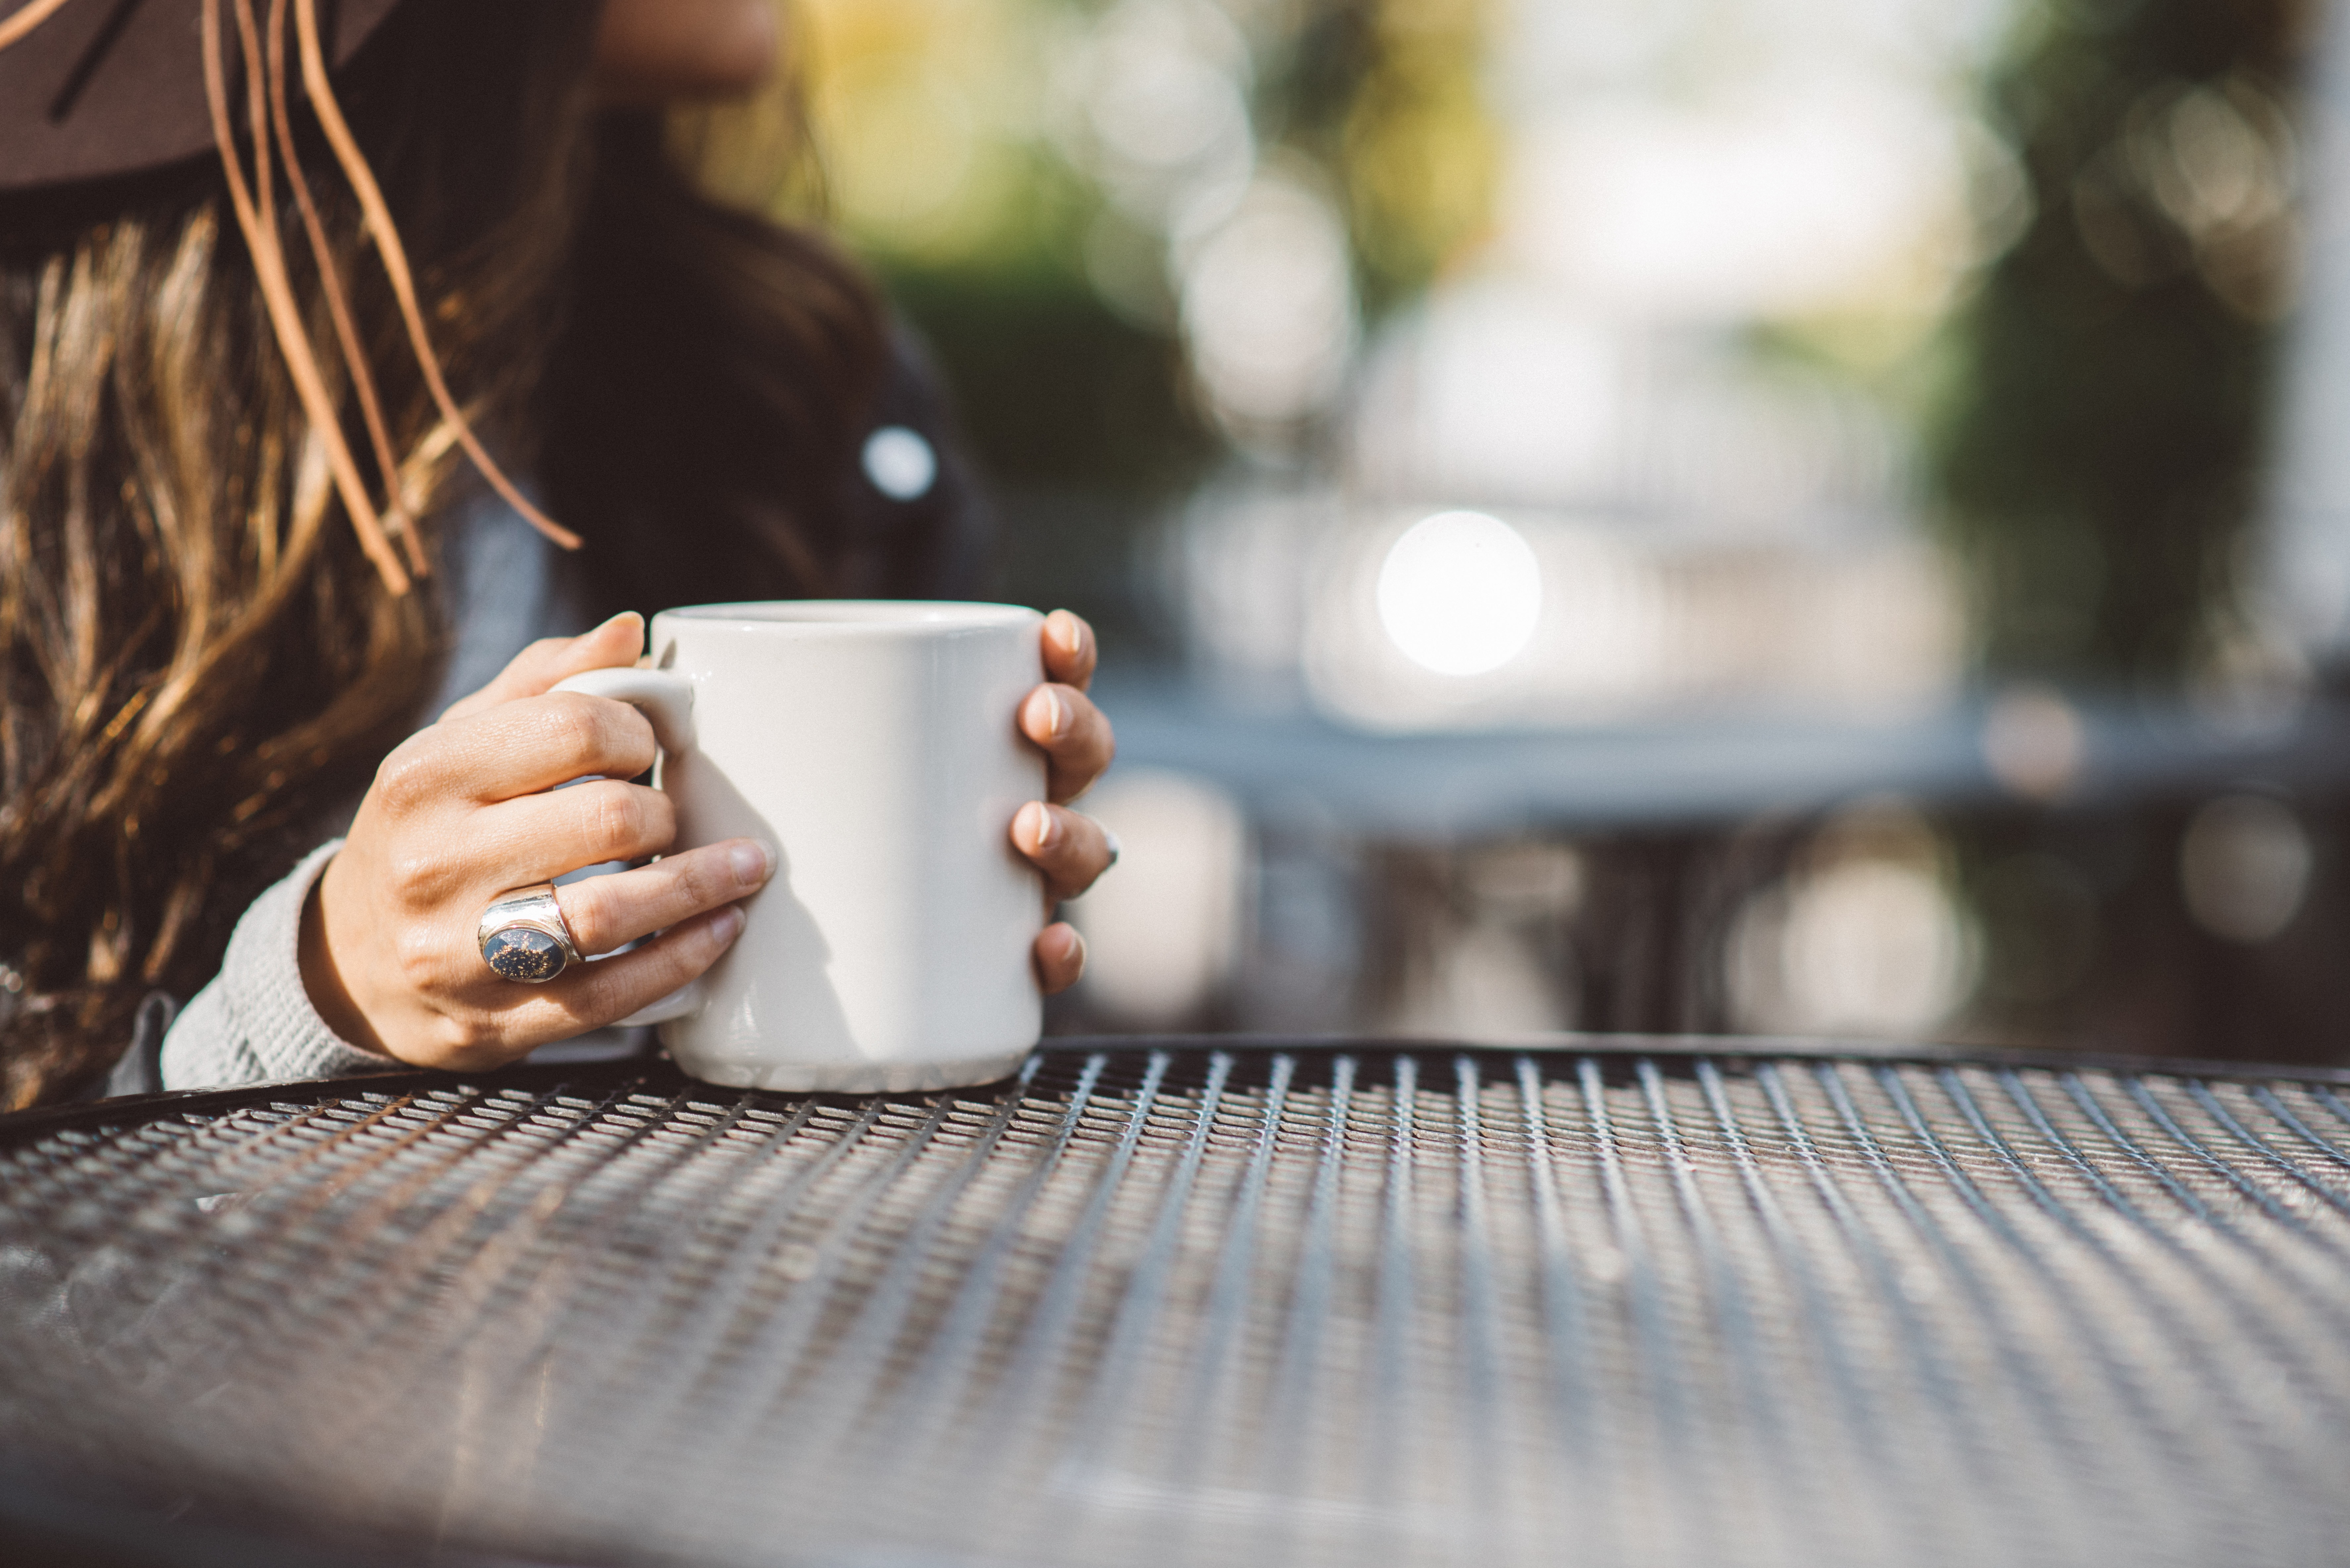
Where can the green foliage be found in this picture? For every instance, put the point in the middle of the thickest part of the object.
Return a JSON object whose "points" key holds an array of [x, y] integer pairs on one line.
{"points": [[1054, 389], [1081, 422], [2099, 444], [1388, 97]]}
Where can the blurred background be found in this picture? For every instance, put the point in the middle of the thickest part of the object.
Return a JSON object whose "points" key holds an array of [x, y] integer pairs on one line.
{"points": [[1808, 516]]}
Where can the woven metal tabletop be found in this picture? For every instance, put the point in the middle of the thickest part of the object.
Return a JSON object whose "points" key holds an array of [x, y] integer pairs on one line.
{"points": [[1202, 1303]]}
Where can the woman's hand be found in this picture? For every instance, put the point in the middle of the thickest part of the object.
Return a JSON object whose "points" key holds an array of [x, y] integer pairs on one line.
{"points": [[1070, 849], [461, 813], [467, 810]]}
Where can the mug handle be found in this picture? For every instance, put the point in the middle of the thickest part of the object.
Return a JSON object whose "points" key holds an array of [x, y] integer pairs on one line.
{"points": [[667, 700]]}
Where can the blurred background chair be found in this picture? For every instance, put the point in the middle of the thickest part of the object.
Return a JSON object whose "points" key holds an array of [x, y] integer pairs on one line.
{"points": [[1812, 516]]}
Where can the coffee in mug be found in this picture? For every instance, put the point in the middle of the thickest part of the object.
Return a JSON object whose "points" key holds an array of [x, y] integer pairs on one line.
{"points": [[875, 745]]}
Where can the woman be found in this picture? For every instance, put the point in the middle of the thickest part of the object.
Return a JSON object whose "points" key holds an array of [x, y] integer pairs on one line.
{"points": [[243, 549]]}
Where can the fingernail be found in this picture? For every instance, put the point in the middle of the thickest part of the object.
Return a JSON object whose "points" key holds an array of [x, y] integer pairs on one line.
{"points": [[727, 925], [1066, 632], [752, 862], [1038, 824], [1042, 712], [1059, 711], [608, 625]]}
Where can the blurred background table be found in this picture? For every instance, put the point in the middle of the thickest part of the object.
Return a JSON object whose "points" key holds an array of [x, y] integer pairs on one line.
{"points": [[2016, 868], [1579, 1300]]}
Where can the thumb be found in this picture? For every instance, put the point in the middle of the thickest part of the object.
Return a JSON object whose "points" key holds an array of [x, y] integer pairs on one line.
{"points": [[615, 644]]}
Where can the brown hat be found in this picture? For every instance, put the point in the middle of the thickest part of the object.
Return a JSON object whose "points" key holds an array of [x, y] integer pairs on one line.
{"points": [[93, 89], [117, 87]]}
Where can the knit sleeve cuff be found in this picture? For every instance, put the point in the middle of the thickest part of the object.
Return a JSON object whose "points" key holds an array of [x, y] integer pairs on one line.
{"points": [[255, 1023]]}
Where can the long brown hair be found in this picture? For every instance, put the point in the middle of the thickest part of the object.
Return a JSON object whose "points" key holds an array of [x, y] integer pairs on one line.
{"points": [[197, 658]]}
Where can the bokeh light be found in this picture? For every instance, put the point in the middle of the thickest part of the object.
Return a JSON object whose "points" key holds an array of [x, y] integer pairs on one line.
{"points": [[900, 463], [1863, 938], [1461, 593], [1154, 104], [2032, 740], [2244, 867], [1633, 624], [1268, 305]]}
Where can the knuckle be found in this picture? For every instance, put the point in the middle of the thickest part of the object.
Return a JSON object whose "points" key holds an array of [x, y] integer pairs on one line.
{"points": [[469, 1042], [692, 951], [402, 782], [416, 950], [615, 820], [682, 955], [700, 883], [604, 996], [418, 870], [621, 738], [576, 729]]}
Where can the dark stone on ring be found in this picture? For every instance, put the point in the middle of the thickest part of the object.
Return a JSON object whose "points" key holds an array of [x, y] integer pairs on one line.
{"points": [[518, 952]]}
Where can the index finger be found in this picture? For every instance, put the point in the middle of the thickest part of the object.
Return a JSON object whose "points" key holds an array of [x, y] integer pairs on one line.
{"points": [[532, 744], [1070, 651], [536, 668]]}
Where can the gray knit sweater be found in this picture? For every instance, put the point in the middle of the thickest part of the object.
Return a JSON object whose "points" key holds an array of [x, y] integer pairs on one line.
{"points": [[254, 1021]]}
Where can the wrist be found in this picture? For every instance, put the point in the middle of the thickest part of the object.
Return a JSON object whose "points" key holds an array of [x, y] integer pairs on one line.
{"points": [[323, 978]]}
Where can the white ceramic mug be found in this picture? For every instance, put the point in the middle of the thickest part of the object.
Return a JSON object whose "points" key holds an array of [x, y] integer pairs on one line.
{"points": [[875, 745]]}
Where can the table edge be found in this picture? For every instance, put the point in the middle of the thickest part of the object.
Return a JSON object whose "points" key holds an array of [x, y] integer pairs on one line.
{"points": [[20, 1125]]}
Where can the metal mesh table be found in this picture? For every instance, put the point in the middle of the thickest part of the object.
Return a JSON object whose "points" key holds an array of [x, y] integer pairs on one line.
{"points": [[1213, 1303]]}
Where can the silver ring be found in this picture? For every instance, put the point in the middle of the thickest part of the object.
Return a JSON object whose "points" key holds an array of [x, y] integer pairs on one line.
{"points": [[524, 937]]}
